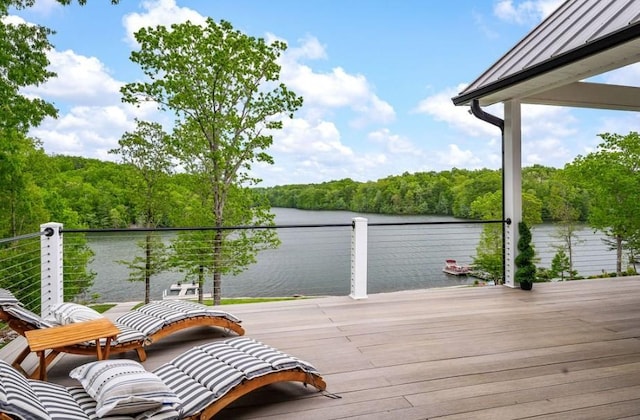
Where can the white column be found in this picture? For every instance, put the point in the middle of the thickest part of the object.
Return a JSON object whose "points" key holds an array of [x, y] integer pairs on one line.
{"points": [[359, 258], [51, 284], [513, 184]]}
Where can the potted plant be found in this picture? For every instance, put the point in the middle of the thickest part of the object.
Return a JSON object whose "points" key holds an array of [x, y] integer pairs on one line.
{"points": [[525, 268]]}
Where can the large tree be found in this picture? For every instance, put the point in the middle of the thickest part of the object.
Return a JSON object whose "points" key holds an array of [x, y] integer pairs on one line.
{"points": [[611, 175], [222, 86]]}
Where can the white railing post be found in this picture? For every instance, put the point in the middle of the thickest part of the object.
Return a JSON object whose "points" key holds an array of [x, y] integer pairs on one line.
{"points": [[51, 285], [359, 258]]}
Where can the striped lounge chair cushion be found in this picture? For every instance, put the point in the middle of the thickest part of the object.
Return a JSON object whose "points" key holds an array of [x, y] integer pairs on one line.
{"points": [[57, 401], [196, 309], [27, 316], [17, 399], [7, 298], [277, 359], [123, 387], [146, 324], [205, 373]]}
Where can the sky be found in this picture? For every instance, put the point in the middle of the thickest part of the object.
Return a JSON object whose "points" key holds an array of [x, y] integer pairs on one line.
{"points": [[377, 78]]}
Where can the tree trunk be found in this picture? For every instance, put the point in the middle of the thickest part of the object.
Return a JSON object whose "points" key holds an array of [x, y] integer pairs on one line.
{"points": [[147, 268], [200, 284], [217, 267], [618, 255]]}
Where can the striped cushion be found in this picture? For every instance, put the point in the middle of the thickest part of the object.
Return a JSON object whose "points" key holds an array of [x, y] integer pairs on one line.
{"points": [[146, 324], [27, 316], [123, 387], [7, 298], [58, 402], [69, 313], [127, 335], [164, 312], [205, 373], [193, 394], [17, 398], [248, 364], [215, 374], [196, 309], [277, 359]]}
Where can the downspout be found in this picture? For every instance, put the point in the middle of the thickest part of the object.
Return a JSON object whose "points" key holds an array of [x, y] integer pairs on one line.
{"points": [[498, 122]]}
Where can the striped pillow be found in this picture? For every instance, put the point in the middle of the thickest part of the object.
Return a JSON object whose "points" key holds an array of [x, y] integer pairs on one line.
{"points": [[69, 313], [16, 396], [123, 387]]}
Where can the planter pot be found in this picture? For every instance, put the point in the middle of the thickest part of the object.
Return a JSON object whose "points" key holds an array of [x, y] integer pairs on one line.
{"points": [[526, 285]]}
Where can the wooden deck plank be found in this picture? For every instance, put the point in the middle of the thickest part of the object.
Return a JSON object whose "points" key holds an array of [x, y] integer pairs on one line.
{"points": [[454, 353]]}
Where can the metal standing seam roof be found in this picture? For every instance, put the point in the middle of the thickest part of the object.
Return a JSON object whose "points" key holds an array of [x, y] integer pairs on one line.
{"points": [[603, 34]]}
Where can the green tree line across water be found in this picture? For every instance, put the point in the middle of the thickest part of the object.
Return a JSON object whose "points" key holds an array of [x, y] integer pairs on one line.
{"points": [[90, 193], [456, 192]]}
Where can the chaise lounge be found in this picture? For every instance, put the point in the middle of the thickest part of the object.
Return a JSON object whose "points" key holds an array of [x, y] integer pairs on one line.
{"points": [[195, 385], [139, 327]]}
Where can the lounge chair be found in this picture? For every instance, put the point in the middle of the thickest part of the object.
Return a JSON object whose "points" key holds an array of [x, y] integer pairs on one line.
{"points": [[198, 383], [138, 327]]}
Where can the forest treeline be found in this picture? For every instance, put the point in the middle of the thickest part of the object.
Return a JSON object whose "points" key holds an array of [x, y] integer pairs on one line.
{"points": [[90, 193], [451, 193]]}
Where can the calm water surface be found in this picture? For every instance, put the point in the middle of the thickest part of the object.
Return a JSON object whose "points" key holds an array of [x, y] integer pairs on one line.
{"points": [[317, 261]]}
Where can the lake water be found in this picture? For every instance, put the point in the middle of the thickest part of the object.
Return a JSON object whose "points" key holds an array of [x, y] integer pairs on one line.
{"points": [[316, 261]]}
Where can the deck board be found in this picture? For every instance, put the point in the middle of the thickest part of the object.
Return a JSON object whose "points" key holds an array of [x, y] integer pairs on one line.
{"points": [[566, 350]]}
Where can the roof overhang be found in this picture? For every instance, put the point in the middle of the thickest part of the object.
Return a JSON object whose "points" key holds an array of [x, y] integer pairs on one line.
{"points": [[556, 81]]}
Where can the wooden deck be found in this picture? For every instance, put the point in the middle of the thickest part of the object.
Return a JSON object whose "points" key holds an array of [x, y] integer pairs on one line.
{"points": [[562, 351]]}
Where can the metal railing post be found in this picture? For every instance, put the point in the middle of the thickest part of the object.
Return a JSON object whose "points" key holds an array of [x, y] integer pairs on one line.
{"points": [[51, 283], [359, 258]]}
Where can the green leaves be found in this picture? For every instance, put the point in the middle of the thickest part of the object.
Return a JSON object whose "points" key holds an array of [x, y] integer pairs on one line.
{"points": [[526, 269], [23, 63]]}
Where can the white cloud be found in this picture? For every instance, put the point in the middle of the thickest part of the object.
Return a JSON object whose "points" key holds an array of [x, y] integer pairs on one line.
{"points": [[13, 20], [455, 157], [525, 12], [82, 80], [159, 12], [440, 107], [301, 137], [85, 131], [394, 143], [325, 92]]}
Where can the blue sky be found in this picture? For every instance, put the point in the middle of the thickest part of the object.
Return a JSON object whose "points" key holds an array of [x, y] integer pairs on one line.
{"points": [[377, 79]]}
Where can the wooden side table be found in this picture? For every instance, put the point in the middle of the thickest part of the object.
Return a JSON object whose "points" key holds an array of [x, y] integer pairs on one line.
{"points": [[67, 335]]}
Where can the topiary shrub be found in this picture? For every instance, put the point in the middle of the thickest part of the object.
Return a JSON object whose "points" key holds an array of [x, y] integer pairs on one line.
{"points": [[525, 268]]}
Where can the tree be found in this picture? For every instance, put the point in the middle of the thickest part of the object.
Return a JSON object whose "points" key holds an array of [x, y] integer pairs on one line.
{"points": [[490, 249], [564, 206], [222, 86], [611, 177], [525, 273], [560, 264], [147, 150]]}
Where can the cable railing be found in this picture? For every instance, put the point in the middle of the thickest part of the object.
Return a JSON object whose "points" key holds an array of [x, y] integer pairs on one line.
{"points": [[20, 267], [311, 260]]}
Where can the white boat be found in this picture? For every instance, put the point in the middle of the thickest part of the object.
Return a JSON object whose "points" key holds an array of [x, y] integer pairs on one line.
{"points": [[181, 291], [452, 267]]}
